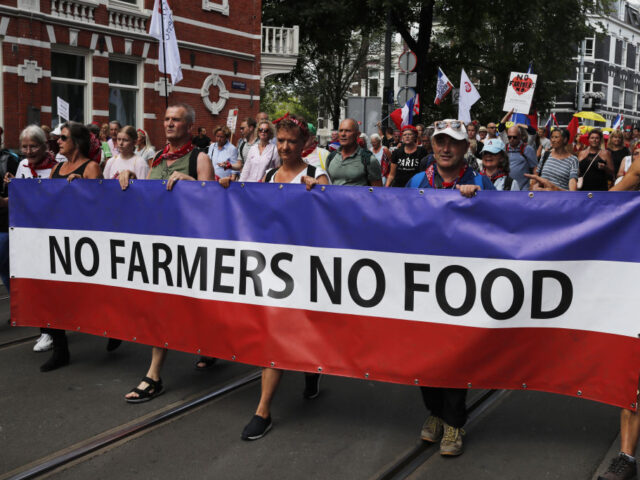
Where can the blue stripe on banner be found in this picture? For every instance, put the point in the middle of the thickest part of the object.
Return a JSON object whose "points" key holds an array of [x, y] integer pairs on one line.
{"points": [[509, 225]]}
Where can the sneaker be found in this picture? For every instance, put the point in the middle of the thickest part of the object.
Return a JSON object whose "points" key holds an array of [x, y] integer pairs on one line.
{"points": [[256, 428], [451, 444], [44, 343], [621, 468], [432, 429], [311, 385]]}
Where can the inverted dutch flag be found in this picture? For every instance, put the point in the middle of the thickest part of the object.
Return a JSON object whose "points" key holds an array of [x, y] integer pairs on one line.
{"points": [[404, 116], [617, 123], [551, 122], [443, 87]]}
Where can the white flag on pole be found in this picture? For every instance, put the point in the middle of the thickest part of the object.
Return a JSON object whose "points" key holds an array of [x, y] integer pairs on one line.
{"points": [[171, 41], [468, 96]]}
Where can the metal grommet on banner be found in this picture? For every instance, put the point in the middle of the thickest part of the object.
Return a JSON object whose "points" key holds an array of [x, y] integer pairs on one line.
{"points": [[78, 329], [39, 181], [166, 344], [469, 385], [579, 393], [198, 352], [319, 369], [105, 333], [323, 189], [203, 184], [134, 339], [233, 357], [273, 364], [164, 182], [530, 194], [11, 228], [99, 182], [416, 381], [13, 323], [281, 187], [633, 406], [421, 192], [366, 375], [371, 189], [130, 182], [590, 195], [48, 325], [524, 385], [242, 185]]}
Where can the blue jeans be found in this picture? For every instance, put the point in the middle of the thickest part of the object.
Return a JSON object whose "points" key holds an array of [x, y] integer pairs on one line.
{"points": [[4, 258]]}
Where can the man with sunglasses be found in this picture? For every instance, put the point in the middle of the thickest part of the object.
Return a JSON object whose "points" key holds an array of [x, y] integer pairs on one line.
{"points": [[522, 157], [447, 406]]}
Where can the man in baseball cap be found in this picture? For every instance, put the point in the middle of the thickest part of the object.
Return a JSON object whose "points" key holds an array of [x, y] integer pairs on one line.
{"points": [[450, 142], [447, 406]]}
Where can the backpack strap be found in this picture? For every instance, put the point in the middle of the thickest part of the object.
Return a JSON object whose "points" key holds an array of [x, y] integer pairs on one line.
{"points": [[507, 184], [545, 157], [270, 174], [329, 158], [193, 162]]}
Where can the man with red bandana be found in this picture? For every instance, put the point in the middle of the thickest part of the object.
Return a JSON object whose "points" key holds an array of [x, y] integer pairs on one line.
{"points": [[180, 160]]}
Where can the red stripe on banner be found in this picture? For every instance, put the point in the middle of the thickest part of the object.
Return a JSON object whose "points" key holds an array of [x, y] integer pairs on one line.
{"points": [[591, 365]]}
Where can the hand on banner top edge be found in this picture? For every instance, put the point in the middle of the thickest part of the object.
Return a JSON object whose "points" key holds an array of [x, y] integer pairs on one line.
{"points": [[8, 176], [124, 178], [225, 182], [73, 176], [468, 190], [308, 181], [176, 176]]}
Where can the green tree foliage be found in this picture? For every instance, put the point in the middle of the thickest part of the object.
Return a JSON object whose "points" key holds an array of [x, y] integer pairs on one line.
{"points": [[334, 41], [490, 39]]}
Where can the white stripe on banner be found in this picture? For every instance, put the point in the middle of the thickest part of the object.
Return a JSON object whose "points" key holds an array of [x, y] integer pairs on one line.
{"points": [[597, 296]]}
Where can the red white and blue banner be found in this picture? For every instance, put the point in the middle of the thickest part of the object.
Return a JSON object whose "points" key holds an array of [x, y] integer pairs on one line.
{"points": [[502, 290]]}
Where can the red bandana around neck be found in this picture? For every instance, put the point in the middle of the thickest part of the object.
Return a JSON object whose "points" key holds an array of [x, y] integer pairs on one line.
{"points": [[308, 151], [431, 171], [48, 162], [166, 155]]}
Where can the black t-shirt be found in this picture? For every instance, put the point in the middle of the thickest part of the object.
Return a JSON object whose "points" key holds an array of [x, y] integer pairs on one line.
{"points": [[201, 142], [408, 164], [617, 157]]}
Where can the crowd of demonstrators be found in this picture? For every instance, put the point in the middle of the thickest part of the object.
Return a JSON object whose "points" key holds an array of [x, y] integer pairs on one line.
{"points": [[444, 155]]}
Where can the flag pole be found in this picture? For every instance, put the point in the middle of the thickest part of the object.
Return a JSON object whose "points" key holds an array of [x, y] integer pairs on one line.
{"points": [[164, 55]]}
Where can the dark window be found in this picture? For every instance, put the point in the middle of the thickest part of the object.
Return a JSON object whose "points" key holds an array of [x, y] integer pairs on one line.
{"points": [[618, 58]]}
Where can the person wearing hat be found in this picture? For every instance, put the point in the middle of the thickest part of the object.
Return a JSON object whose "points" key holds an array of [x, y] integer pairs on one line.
{"points": [[482, 134], [495, 163], [405, 160], [447, 406], [449, 170], [314, 154]]}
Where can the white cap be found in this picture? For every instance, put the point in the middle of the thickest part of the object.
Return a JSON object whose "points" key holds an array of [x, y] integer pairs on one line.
{"points": [[454, 128]]}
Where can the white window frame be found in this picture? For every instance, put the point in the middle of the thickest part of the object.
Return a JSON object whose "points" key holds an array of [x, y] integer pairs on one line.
{"points": [[220, 6], [593, 47], [137, 6], [88, 73], [139, 87]]}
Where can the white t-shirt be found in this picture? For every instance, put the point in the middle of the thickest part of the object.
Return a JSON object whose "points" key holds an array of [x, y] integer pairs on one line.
{"points": [[24, 171], [317, 158], [298, 178], [117, 164]]}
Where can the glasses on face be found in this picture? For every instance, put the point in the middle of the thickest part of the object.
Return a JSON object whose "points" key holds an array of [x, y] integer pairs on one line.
{"points": [[64, 138], [491, 128], [455, 124], [263, 130], [512, 137]]}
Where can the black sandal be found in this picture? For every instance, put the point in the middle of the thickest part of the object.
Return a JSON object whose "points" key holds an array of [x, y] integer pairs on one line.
{"points": [[153, 389], [208, 363]]}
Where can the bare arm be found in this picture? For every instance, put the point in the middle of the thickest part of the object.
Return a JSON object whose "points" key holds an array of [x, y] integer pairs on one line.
{"points": [[630, 181], [392, 174]]}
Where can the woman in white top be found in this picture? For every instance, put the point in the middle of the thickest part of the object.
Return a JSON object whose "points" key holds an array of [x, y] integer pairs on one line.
{"points": [[291, 137], [262, 156], [144, 149], [126, 159]]}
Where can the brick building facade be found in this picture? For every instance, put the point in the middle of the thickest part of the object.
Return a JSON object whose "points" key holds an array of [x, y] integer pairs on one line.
{"points": [[98, 57]]}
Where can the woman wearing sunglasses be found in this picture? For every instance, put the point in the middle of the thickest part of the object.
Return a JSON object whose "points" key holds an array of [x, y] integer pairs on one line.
{"points": [[262, 156]]}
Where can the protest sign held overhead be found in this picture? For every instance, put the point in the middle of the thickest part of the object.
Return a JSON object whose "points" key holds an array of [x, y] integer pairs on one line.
{"points": [[520, 92]]}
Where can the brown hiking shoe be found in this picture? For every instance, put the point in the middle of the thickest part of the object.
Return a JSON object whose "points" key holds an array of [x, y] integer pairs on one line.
{"points": [[432, 429], [451, 444], [621, 468]]}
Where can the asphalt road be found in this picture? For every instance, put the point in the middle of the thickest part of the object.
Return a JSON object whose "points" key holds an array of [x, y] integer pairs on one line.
{"points": [[72, 423]]}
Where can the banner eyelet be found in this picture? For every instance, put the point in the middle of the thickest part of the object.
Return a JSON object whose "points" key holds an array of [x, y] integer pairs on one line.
{"points": [[530, 194]]}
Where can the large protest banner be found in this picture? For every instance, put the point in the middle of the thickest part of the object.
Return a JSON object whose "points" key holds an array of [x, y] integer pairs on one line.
{"points": [[503, 290]]}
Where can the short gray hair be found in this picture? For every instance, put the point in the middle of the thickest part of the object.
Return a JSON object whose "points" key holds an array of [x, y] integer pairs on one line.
{"points": [[191, 113], [35, 133]]}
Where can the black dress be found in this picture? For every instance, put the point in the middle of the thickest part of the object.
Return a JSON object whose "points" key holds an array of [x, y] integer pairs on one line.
{"points": [[595, 179]]}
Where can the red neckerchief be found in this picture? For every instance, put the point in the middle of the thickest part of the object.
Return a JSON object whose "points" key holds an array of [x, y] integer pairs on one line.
{"points": [[48, 162], [168, 156], [309, 151], [496, 176], [431, 177]]}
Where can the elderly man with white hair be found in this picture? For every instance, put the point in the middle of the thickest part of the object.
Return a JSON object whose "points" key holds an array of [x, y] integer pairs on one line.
{"points": [[382, 154]]}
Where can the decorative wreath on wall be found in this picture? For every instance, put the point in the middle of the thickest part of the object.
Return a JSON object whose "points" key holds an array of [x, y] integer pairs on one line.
{"points": [[211, 81]]}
